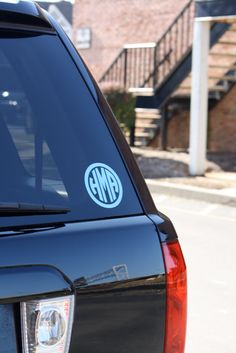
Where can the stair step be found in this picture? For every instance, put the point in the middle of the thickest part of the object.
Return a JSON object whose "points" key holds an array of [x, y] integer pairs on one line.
{"points": [[223, 78], [232, 67], [144, 125], [223, 66], [219, 73], [212, 80], [225, 50], [230, 55], [141, 134], [181, 95], [147, 121], [227, 42], [217, 89], [152, 114], [139, 143], [144, 110], [228, 37], [222, 61], [141, 91], [148, 117], [210, 89]]}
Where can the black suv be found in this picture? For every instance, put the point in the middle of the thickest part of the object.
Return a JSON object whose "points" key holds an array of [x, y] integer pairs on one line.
{"points": [[87, 263]]}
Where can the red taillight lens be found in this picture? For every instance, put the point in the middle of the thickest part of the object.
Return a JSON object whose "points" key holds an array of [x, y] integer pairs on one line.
{"points": [[176, 304]]}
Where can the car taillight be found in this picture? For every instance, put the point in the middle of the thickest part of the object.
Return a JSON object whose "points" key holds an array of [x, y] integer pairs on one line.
{"points": [[176, 298], [47, 325]]}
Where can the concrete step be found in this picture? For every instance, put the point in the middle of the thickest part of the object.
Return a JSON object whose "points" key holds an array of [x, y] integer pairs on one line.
{"points": [[223, 78], [141, 134], [223, 66], [147, 113], [181, 95], [217, 88], [213, 80], [227, 42], [228, 37], [147, 121], [221, 48], [224, 54], [221, 60], [150, 110], [139, 143], [143, 125], [136, 91], [232, 29]]}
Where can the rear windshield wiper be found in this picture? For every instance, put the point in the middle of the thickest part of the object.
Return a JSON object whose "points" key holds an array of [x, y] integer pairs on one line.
{"points": [[29, 209]]}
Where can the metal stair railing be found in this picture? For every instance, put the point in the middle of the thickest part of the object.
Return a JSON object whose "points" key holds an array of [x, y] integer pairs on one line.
{"points": [[146, 65], [131, 66]]}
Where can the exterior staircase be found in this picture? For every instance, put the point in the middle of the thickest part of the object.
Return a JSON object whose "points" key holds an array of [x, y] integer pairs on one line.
{"points": [[146, 125], [222, 68], [159, 74]]}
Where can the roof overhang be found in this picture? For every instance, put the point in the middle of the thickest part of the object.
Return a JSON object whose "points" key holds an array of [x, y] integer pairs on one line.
{"points": [[220, 9]]}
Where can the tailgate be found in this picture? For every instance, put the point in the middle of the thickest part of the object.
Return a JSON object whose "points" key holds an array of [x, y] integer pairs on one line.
{"points": [[116, 269]]}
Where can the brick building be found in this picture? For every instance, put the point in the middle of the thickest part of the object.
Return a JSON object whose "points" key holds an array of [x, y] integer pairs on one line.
{"points": [[102, 28], [114, 23]]}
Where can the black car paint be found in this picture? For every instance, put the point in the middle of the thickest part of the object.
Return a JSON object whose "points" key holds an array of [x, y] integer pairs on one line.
{"points": [[111, 315]]}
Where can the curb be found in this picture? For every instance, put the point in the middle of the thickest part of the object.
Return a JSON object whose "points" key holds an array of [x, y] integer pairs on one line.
{"points": [[191, 192]]}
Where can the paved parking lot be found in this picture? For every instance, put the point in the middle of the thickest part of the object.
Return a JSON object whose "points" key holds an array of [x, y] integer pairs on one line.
{"points": [[207, 234]]}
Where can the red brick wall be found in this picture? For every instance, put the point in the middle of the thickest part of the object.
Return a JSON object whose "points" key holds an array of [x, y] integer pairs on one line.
{"points": [[118, 22], [178, 131], [221, 126]]}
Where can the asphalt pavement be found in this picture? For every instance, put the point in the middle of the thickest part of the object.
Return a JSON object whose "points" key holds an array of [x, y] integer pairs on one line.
{"points": [[207, 232]]}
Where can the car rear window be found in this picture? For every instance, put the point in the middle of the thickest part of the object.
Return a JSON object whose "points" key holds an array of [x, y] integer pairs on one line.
{"points": [[55, 146]]}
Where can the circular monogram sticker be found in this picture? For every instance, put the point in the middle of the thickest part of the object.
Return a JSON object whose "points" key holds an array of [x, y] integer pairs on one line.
{"points": [[103, 185]]}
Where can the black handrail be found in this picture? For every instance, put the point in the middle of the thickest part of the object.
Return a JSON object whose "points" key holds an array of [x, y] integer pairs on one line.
{"points": [[146, 65]]}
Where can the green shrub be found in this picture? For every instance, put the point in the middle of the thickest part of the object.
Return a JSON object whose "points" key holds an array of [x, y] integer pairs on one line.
{"points": [[123, 105]]}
